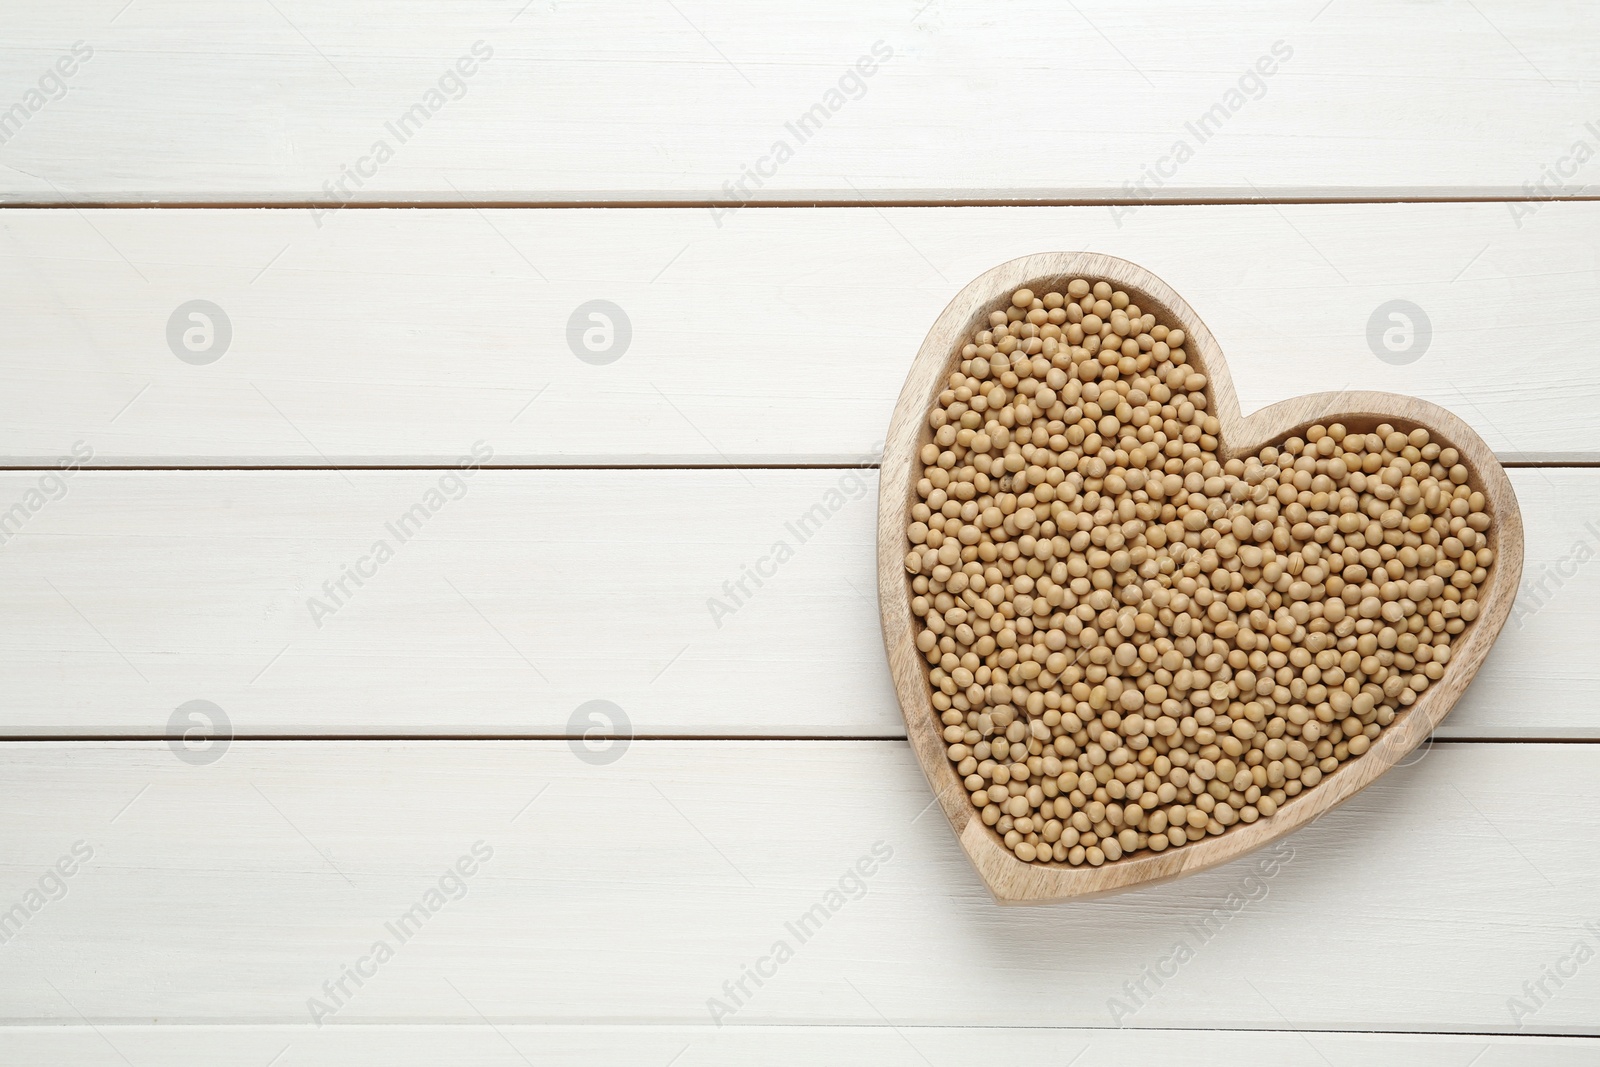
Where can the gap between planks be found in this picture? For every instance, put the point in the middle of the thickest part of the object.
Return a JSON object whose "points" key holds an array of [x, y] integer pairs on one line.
{"points": [[859, 202], [654, 468], [391, 738], [178, 1027]]}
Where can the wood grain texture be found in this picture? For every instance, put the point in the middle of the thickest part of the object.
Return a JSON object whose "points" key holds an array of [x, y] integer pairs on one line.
{"points": [[624, 100], [1012, 880], [604, 580], [881, 1045], [629, 893], [631, 881], [402, 337]]}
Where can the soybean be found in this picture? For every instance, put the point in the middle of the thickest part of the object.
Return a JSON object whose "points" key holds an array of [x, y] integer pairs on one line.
{"points": [[1133, 644]]}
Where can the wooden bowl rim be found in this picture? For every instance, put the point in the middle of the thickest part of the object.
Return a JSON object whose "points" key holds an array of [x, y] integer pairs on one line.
{"points": [[1008, 878]]}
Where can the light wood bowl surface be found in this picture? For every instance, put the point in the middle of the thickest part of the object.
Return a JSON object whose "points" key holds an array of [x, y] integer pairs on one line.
{"points": [[1010, 879]]}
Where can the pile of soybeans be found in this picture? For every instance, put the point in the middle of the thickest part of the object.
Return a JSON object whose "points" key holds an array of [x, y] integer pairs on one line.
{"points": [[1133, 644]]}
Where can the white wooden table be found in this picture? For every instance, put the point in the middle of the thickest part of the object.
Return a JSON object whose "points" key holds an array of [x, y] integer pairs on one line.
{"points": [[397, 215]]}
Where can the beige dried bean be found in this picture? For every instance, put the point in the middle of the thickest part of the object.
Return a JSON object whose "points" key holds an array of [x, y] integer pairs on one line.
{"points": [[1133, 644]]}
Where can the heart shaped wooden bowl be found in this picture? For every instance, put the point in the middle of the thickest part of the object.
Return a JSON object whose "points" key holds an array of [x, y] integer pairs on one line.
{"points": [[1011, 880]]}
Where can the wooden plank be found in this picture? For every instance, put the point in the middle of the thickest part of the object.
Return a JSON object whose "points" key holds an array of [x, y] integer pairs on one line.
{"points": [[629, 893], [402, 337], [401, 1045], [636, 101], [534, 592]]}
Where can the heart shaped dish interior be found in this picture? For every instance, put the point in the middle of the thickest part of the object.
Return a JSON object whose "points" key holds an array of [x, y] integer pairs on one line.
{"points": [[1287, 603]]}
